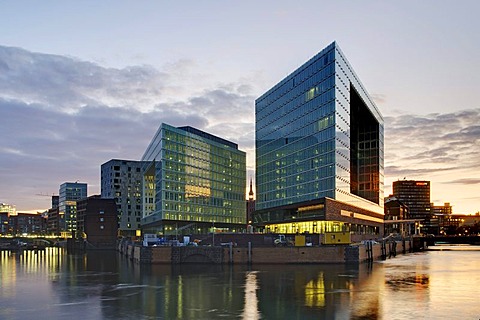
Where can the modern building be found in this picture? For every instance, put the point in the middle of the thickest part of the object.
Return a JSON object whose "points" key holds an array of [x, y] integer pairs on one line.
{"points": [[122, 180], [194, 182], [70, 193], [97, 222], [416, 195], [319, 151]]}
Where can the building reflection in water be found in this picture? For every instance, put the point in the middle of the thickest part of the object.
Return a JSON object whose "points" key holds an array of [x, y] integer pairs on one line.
{"points": [[315, 292], [104, 285], [250, 311]]}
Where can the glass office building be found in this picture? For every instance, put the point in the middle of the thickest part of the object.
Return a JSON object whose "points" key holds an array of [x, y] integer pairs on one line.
{"points": [[69, 193], [319, 151], [193, 182]]}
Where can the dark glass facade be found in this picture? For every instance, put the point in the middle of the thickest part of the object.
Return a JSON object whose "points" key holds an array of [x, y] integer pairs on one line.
{"points": [[193, 179], [319, 135]]}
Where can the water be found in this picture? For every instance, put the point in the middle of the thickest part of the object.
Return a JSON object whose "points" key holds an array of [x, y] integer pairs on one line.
{"points": [[442, 284]]}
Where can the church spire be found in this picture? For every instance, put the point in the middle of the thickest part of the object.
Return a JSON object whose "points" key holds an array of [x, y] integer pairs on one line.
{"points": [[250, 194]]}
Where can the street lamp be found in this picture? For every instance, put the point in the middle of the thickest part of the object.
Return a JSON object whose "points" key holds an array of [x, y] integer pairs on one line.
{"points": [[213, 233]]}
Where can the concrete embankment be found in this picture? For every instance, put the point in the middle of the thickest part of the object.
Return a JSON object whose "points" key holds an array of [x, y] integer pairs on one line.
{"points": [[355, 253]]}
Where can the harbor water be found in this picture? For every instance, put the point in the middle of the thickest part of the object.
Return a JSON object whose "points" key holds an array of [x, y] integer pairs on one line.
{"points": [[443, 283]]}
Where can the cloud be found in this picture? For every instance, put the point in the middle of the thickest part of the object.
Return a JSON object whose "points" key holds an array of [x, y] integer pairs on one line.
{"points": [[64, 117], [466, 181], [418, 146]]}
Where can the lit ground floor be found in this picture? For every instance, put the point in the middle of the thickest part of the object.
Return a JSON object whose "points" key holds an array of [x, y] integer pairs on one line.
{"points": [[318, 217]]}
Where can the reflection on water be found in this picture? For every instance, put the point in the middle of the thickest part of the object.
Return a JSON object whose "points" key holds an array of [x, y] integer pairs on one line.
{"points": [[104, 285], [250, 310]]}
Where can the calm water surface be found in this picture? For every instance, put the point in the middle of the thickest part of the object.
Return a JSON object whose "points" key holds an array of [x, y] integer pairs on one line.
{"points": [[441, 284]]}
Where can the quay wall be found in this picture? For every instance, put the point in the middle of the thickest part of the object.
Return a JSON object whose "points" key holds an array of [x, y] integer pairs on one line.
{"points": [[355, 253]]}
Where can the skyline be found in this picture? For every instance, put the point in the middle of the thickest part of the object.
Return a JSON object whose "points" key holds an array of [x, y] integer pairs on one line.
{"points": [[68, 89]]}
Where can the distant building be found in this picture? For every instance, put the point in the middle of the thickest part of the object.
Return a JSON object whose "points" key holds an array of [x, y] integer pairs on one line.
{"points": [[97, 221], [27, 223], [319, 151], [397, 218], [440, 218], [122, 180], [55, 201], [7, 208], [459, 224], [194, 182], [4, 226], [53, 217], [445, 209], [53, 221], [69, 194], [416, 195]]}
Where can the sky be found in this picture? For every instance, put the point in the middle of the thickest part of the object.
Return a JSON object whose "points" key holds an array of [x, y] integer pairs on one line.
{"points": [[83, 82]]}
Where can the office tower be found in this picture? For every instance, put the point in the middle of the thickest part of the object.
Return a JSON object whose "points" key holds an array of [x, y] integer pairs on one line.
{"points": [[69, 193], [319, 151], [194, 182], [122, 180], [416, 195]]}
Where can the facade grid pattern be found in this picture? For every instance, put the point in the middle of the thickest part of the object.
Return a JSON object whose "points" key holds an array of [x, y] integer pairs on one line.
{"points": [[193, 178], [305, 147]]}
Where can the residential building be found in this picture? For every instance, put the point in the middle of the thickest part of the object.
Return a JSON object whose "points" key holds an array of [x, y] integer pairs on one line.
{"points": [[53, 216], [319, 151], [397, 218], [97, 222], [53, 221], [70, 193], [194, 182], [122, 180], [27, 223], [416, 195]]}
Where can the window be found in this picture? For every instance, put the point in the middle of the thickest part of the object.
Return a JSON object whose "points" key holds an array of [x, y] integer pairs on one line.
{"points": [[102, 212], [102, 227], [102, 219]]}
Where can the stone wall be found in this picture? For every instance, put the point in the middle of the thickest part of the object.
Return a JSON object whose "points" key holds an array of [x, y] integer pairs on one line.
{"points": [[358, 253]]}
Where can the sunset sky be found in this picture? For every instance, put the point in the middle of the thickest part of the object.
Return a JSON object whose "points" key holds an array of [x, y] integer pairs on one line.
{"points": [[83, 82]]}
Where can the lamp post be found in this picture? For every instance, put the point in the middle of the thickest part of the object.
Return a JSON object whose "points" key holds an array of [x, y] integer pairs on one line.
{"points": [[213, 233]]}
